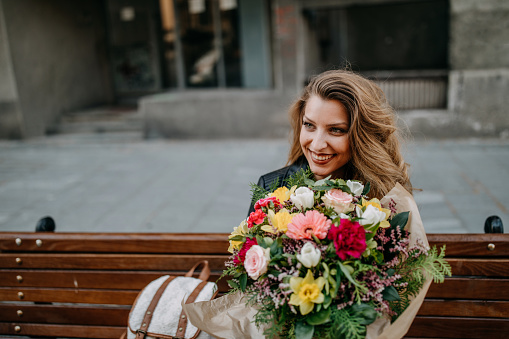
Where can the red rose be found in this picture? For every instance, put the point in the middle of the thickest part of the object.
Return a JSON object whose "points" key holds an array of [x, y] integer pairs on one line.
{"points": [[265, 202], [349, 239], [241, 256], [255, 218]]}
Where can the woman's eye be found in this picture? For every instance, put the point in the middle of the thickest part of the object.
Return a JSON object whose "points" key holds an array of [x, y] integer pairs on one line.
{"points": [[336, 130], [307, 124]]}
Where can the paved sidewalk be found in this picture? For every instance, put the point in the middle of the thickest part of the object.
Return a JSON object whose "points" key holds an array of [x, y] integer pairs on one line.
{"points": [[117, 182]]}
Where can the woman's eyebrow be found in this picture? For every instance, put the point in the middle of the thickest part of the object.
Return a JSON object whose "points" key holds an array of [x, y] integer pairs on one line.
{"points": [[334, 124], [305, 117], [338, 123]]}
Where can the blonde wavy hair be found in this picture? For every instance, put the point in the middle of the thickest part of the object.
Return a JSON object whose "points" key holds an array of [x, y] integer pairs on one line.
{"points": [[373, 135]]}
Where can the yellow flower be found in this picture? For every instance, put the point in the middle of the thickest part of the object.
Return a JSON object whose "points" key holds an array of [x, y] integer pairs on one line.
{"points": [[376, 203], [283, 193], [242, 230], [279, 221], [306, 292]]}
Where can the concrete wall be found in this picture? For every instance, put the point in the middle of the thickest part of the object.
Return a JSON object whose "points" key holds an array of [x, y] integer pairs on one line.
{"points": [[212, 114], [59, 58], [10, 115], [479, 63]]}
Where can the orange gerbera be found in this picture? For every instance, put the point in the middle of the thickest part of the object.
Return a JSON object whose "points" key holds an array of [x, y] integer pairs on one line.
{"points": [[304, 225]]}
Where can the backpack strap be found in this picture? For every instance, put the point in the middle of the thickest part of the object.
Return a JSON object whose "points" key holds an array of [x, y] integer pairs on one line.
{"points": [[142, 332], [181, 329], [205, 271]]}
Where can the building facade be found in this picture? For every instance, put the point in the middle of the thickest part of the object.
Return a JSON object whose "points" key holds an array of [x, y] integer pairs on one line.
{"points": [[231, 68]]}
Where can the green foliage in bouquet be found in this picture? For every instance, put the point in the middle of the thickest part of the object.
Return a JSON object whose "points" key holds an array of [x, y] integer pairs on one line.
{"points": [[320, 259]]}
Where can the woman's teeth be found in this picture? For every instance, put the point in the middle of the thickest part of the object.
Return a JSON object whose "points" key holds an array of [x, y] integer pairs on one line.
{"points": [[321, 157]]}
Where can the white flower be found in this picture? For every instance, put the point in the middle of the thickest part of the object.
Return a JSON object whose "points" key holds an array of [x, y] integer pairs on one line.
{"points": [[257, 260], [309, 255], [355, 186], [371, 216], [303, 198], [344, 216]]}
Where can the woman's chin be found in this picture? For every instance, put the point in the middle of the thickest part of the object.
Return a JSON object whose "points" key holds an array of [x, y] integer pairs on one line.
{"points": [[320, 173]]}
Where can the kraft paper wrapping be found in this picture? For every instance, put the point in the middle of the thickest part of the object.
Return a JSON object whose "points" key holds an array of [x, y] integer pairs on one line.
{"points": [[229, 317]]}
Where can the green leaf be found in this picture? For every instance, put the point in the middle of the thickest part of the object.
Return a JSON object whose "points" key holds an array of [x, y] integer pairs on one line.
{"points": [[346, 189], [232, 284], [390, 272], [346, 272], [365, 313], [243, 282], [330, 182], [304, 331], [275, 249], [326, 302], [259, 241], [322, 188], [400, 220], [268, 241], [379, 257], [309, 182], [339, 276], [390, 294], [238, 238], [319, 318], [366, 189]]}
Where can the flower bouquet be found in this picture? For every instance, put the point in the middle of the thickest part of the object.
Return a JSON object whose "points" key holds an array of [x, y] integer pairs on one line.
{"points": [[320, 259]]}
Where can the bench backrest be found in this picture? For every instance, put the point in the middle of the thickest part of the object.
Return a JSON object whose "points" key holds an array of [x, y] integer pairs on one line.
{"points": [[83, 284], [474, 302], [94, 278]]}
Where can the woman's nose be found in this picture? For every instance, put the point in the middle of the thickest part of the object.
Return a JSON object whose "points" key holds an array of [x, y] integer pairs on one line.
{"points": [[319, 141]]}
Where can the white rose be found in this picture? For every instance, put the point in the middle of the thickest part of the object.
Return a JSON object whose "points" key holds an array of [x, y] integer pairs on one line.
{"points": [[303, 198], [309, 255], [371, 216], [355, 186], [257, 260]]}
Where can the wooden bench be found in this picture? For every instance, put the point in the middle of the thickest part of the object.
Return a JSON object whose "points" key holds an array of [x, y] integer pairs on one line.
{"points": [[83, 284]]}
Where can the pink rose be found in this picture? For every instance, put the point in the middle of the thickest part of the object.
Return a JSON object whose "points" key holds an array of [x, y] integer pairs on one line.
{"points": [[341, 202], [257, 260], [241, 256]]}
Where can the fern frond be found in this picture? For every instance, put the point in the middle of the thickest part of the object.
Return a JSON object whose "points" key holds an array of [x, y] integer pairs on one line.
{"points": [[257, 193], [299, 178]]}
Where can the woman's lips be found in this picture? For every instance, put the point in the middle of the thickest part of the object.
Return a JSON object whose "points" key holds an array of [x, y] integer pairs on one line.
{"points": [[321, 158]]}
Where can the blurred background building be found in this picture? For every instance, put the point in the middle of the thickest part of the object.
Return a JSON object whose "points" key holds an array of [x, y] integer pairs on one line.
{"points": [[230, 68]]}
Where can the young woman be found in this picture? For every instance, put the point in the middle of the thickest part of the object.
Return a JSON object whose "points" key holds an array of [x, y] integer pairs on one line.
{"points": [[344, 127]]}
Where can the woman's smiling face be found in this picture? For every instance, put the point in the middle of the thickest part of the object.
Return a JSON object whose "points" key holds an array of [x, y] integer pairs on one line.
{"points": [[324, 137]]}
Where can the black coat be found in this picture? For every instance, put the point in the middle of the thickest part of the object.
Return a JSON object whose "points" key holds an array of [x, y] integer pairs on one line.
{"points": [[280, 175]]}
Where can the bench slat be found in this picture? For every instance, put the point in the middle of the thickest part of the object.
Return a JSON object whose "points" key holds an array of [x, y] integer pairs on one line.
{"points": [[91, 279], [472, 245], [200, 243], [67, 331], [464, 288], [469, 267], [66, 314], [210, 243], [86, 296], [436, 327], [480, 267], [465, 308], [144, 262]]}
